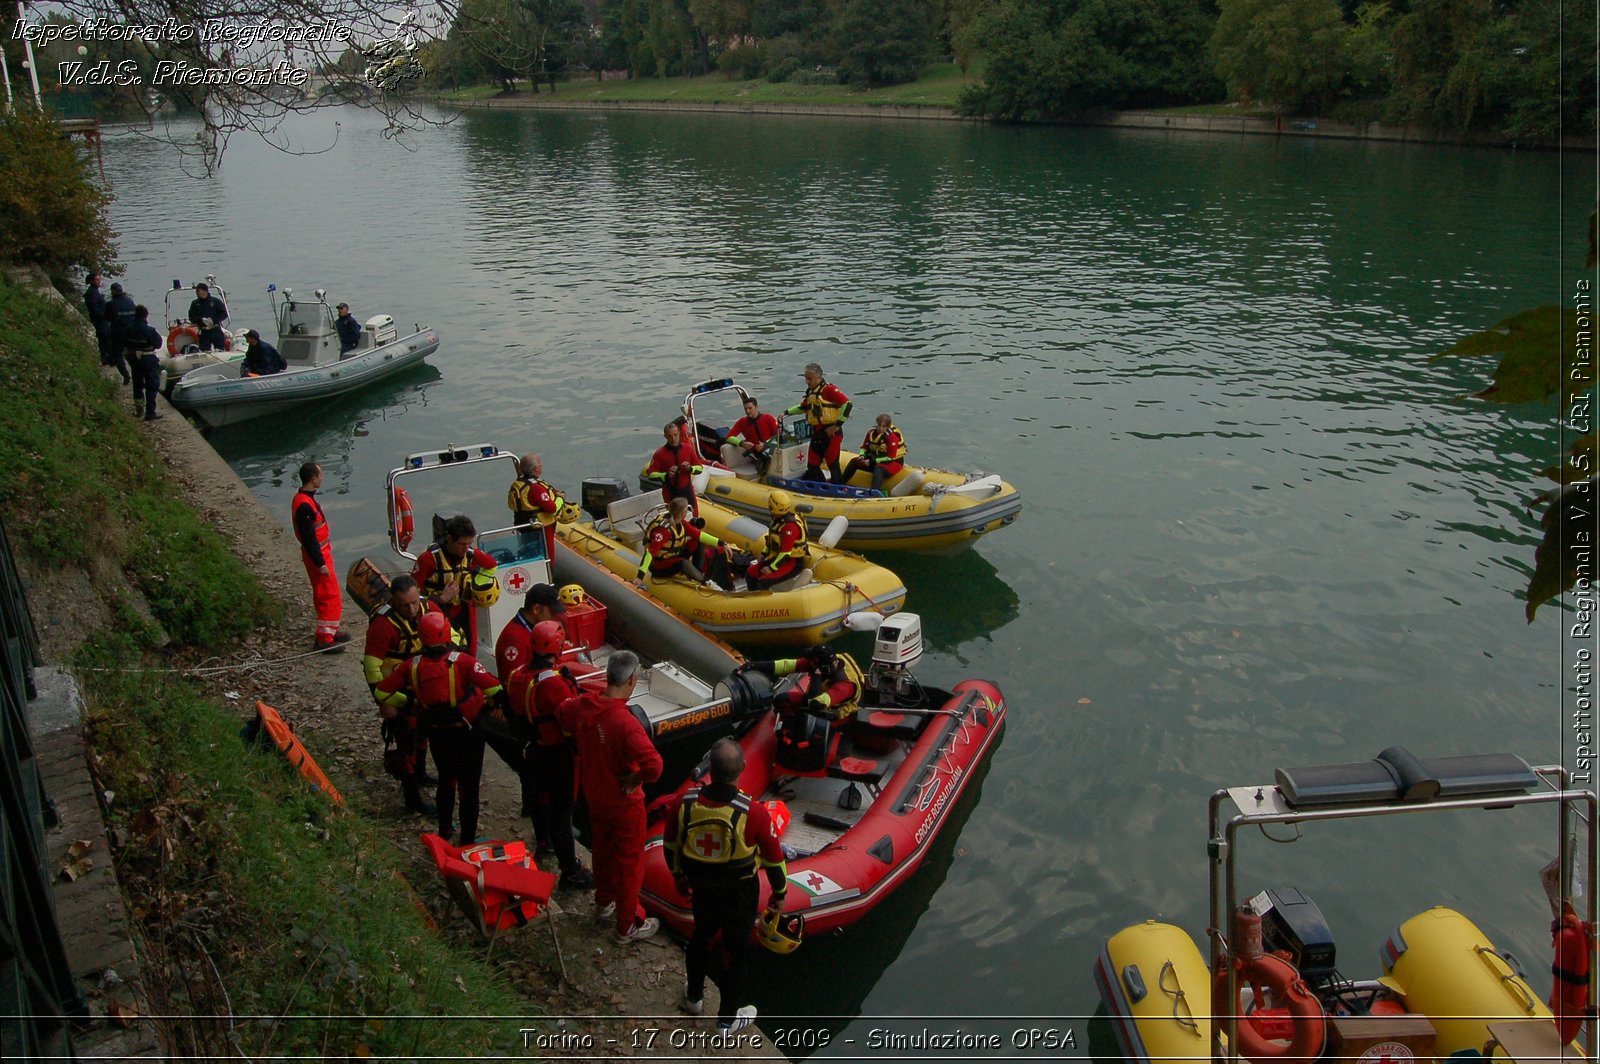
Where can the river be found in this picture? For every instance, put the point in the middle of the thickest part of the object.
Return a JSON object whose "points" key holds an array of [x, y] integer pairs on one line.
{"points": [[1260, 528]]}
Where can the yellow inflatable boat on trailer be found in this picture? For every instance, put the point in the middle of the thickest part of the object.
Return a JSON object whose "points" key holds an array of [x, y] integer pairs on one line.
{"points": [[920, 508], [811, 607], [1271, 990]]}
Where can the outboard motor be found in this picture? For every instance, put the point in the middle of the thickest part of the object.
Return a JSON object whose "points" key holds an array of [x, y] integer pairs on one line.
{"points": [[439, 521], [897, 646], [601, 492], [1291, 922]]}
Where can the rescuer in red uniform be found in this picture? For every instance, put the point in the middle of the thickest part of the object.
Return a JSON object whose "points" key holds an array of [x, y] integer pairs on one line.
{"points": [[514, 648], [534, 502], [883, 453], [717, 837], [673, 466], [673, 547], [615, 760], [783, 550], [392, 637], [755, 434], [448, 688], [826, 409], [316, 551], [535, 691], [458, 576]]}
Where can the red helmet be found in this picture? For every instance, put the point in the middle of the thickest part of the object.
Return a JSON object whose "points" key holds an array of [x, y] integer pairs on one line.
{"points": [[434, 629], [548, 637]]}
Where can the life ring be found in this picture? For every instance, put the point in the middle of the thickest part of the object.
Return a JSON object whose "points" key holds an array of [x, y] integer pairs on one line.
{"points": [[174, 345], [1296, 1014], [405, 528], [1569, 994]]}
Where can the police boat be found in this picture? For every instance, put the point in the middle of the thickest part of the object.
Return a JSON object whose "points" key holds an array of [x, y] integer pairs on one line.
{"points": [[182, 352]]}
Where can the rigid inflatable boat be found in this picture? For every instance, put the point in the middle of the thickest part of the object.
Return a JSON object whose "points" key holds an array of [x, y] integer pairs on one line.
{"points": [[858, 829], [810, 607], [919, 508], [1272, 981]]}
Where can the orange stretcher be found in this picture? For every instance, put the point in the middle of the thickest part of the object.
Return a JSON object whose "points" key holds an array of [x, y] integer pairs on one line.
{"points": [[273, 723]]}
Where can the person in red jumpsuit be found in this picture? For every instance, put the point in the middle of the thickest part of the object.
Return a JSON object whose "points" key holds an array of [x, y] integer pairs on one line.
{"points": [[316, 551], [446, 571], [448, 689], [673, 466], [783, 550], [826, 409], [674, 547], [615, 760], [535, 691], [515, 648], [534, 502], [393, 637], [755, 434], [883, 453]]}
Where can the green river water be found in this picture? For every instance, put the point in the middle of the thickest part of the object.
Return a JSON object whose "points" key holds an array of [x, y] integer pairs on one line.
{"points": [[1259, 527]]}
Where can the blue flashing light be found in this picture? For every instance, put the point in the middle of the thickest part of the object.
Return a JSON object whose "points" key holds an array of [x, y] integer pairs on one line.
{"points": [[176, 284], [416, 462], [272, 288], [489, 451]]}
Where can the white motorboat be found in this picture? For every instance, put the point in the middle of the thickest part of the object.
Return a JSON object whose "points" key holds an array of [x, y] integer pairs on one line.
{"points": [[183, 352], [309, 343]]}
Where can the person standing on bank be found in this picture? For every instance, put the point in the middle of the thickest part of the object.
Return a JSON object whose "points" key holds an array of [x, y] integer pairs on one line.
{"points": [[674, 465], [716, 840], [143, 344], [826, 409], [207, 313], [349, 329], [120, 311], [615, 760], [95, 303], [393, 638], [316, 551], [459, 577]]}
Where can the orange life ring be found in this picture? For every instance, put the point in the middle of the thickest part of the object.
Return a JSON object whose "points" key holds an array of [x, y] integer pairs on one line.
{"points": [[1569, 994], [1296, 1014], [173, 346], [405, 528]]}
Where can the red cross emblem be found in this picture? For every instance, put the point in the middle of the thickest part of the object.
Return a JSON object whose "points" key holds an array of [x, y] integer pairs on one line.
{"points": [[815, 882], [517, 581], [709, 843]]}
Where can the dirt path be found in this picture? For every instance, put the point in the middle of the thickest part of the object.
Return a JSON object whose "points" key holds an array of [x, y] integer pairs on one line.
{"points": [[326, 698]]}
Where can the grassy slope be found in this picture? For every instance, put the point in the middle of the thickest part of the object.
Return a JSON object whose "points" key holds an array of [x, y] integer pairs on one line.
{"points": [[229, 859], [938, 87]]}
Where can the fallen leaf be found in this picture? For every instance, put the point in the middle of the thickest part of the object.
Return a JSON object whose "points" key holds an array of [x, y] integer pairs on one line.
{"points": [[1083, 702], [77, 869], [80, 847]]}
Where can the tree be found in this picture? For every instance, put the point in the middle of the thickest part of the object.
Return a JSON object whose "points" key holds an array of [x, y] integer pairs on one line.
{"points": [[1288, 52], [55, 213], [884, 42]]}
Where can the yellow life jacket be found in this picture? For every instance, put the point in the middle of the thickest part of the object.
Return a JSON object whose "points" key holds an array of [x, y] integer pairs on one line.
{"points": [[852, 672], [711, 837], [772, 552], [445, 572], [878, 443], [523, 510], [677, 548], [820, 411]]}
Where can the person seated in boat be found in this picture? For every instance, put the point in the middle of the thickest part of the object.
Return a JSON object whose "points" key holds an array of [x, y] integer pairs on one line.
{"points": [[674, 546], [883, 453], [826, 409], [261, 359], [829, 686], [532, 501], [783, 550], [458, 576], [348, 328], [207, 313], [755, 434], [674, 465]]}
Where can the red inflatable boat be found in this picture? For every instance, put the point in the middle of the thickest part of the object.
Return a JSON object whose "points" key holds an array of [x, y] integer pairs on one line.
{"points": [[858, 831]]}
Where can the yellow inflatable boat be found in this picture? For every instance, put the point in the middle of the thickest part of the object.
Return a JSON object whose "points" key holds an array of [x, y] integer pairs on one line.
{"points": [[1272, 978], [919, 508], [809, 608]]}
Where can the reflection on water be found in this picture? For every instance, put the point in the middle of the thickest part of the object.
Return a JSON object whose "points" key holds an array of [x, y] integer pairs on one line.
{"points": [[959, 597]]}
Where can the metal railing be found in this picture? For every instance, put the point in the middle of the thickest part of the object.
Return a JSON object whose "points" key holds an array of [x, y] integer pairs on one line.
{"points": [[38, 997]]}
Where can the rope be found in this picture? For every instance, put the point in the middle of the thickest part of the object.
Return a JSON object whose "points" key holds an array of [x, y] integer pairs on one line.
{"points": [[248, 665], [850, 589]]}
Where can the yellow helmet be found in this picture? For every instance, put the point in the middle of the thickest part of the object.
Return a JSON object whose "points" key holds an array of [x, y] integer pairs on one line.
{"points": [[568, 514], [780, 502], [572, 595], [483, 589], [781, 932]]}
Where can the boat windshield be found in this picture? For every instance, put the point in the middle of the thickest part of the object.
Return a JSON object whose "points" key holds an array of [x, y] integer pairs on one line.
{"points": [[514, 546], [304, 319]]}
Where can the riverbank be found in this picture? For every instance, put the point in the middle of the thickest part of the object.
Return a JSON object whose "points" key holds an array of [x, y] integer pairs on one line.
{"points": [[269, 922], [747, 100]]}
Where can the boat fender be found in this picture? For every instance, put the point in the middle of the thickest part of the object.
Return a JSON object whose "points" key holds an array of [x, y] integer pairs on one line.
{"points": [[405, 524], [182, 338], [367, 584], [909, 484], [1569, 994], [834, 532]]}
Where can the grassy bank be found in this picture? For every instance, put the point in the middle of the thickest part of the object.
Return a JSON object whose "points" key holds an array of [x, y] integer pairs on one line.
{"points": [[267, 916], [939, 86]]}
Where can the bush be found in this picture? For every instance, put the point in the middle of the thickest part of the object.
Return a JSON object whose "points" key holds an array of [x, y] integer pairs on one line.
{"points": [[743, 62], [55, 214], [819, 76], [785, 70]]}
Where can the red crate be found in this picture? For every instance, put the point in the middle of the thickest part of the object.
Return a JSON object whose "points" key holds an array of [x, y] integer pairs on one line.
{"points": [[586, 625]]}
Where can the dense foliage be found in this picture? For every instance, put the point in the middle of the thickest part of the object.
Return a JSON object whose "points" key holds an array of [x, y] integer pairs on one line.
{"points": [[55, 214]]}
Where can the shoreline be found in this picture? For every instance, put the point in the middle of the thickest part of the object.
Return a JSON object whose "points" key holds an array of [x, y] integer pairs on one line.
{"points": [[1237, 125]]}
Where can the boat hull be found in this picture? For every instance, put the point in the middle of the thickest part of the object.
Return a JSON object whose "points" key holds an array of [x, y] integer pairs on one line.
{"points": [[219, 397], [836, 885], [1147, 1002], [842, 583]]}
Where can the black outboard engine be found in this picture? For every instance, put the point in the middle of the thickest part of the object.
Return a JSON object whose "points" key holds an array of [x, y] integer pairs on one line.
{"points": [[1291, 922], [439, 521], [750, 692], [600, 492]]}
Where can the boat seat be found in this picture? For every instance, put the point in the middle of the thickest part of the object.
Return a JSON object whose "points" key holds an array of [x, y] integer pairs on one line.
{"points": [[887, 721], [628, 517], [794, 583], [858, 770], [737, 460]]}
